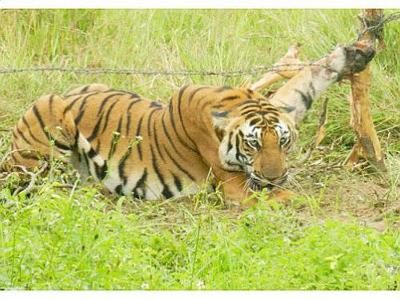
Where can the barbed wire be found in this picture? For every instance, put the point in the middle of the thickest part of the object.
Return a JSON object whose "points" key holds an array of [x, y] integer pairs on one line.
{"points": [[154, 72], [383, 20], [190, 72]]}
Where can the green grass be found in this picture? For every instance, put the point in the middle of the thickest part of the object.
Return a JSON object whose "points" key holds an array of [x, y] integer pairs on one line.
{"points": [[56, 240], [341, 232]]}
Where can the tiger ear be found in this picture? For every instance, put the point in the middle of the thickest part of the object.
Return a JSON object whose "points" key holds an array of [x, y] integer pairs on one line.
{"points": [[220, 121]]}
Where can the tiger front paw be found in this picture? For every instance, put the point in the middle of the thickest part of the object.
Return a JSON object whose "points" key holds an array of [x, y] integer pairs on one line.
{"points": [[282, 196]]}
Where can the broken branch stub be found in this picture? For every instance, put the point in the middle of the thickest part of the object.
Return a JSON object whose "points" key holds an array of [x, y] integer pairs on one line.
{"points": [[287, 67], [372, 26], [367, 145]]}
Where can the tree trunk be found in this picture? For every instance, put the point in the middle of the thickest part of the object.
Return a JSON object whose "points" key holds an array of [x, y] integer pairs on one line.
{"points": [[367, 145]]}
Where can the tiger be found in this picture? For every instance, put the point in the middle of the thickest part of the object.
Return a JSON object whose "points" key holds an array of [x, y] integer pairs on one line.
{"points": [[148, 150]]}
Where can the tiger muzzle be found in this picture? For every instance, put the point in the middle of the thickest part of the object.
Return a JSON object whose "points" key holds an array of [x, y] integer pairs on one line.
{"points": [[258, 184]]}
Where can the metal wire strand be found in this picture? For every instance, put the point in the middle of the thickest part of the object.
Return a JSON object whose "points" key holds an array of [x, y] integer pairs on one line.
{"points": [[192, 72]]}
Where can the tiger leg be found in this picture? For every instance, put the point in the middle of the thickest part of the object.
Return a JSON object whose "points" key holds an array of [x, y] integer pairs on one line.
{"points": [[233, 186], [43, 132], [235, 190]]}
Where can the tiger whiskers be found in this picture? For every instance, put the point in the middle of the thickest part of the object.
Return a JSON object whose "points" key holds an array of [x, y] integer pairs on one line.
{"points": [[246, 185], [293, 181]]}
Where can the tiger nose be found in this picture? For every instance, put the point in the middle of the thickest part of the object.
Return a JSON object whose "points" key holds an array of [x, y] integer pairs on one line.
{"points": [[278, 178]]}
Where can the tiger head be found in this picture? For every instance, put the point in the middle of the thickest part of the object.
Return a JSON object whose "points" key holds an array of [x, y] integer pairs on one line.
{"points": [[255, 138]]}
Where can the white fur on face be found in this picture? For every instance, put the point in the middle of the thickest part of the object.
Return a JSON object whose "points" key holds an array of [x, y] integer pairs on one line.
{"points": [[228, 148], [251, 132], [283, 132]]}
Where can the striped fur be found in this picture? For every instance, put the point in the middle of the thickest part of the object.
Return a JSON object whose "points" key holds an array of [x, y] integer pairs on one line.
{"points": [[149, 150]]}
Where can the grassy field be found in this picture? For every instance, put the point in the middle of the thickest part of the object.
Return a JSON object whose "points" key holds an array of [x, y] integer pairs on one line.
{"points": [[341, 232]]}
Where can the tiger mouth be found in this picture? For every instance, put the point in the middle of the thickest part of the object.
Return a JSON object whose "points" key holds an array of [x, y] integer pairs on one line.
{"points": [[257, 185]]}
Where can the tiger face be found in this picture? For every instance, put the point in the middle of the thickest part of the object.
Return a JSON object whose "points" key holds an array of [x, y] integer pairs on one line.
{"points": [[257, 142]]}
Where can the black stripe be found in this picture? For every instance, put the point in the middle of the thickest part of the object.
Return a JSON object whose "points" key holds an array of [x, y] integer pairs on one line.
{"points": [[101, 171], [230, 98], [108, 115], [177, 183], [38, 117], [71, 104], [169, 137], [171, 117], [181, 92], [132, 94], [78, 118], [149, 122], [40, 120], [139, 145], [114, 143], [255, 121], [157, 143], [31, 133], [118, 190], [119, 127], [29, 155], [269, 110], [61, 146], [85, 88], [191, 96], [306, 98], [140, 184], [96, 129], [81, 109], [22, 135], [128, 121], [92, 153], [155, 104], [166, 191], [121, 165], [105, 100], [51, 103], [250, 107], [76, 138], [238, 154], [246, 102], [247, 94], [273, 119], [230, 146], [178, 165], [14, 135], [26, 155]]}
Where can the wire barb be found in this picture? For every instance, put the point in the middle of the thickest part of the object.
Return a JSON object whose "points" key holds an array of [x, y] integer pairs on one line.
{"points": [[377, 28]]}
